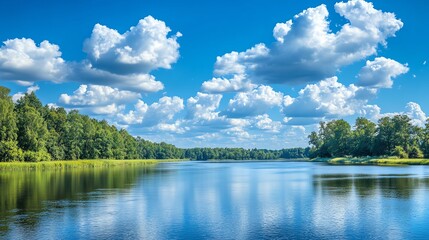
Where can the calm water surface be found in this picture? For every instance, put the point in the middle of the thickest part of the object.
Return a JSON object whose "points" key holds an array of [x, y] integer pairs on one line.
{"points": [[199, 200]]}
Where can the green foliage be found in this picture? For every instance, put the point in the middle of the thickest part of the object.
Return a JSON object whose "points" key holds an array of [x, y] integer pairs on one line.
{"points": [[30, 100], [392, 136], [399, 152], [333, 140], [8, 129], [425, 139], [415, 152], [10, 152], [337, 137], [32, 130], [40, 156], [363, 137], [245, 154]]}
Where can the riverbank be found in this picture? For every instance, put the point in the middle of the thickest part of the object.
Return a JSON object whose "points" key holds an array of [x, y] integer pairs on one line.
{"points": [[81, 164], [373, 161]]}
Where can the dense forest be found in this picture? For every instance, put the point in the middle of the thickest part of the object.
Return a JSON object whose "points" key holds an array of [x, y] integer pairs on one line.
{"points": [[32, 132], [391, 136]]}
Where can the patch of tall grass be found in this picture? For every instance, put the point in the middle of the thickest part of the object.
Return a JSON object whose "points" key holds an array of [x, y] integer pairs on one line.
{"points": [[4, 166], [373, 161]]}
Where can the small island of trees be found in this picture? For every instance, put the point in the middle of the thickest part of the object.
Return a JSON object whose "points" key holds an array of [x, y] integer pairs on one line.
{"points": [[391, 136]]}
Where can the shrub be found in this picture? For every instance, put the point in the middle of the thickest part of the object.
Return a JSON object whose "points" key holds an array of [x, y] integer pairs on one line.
{"points": [[400, 152], [9, 151], [415, 152], [30, 156]]}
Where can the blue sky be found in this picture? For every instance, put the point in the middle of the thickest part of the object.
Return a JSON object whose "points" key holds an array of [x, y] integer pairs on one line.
{"points": [[242, 74]]}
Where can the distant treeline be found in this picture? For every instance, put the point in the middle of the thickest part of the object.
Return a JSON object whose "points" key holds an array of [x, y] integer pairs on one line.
{"points": [[243, 154], [391, 136], [32, 132]]}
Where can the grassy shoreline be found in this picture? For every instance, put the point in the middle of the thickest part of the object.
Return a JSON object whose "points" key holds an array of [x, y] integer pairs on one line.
{"points": [[96, 163], [87, 163], [373, 161]]}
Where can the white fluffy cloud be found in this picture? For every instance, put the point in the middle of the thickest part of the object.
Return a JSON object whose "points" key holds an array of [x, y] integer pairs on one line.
{"points": [[126, 60], [236, 84], [254, 102], [415, 112], [85, 73], [327, 98], [379, 73], [233, 66], [264, 122], [371, 112], [98, 100], [203, 106], [23, 61], [307, 50], [111, 109], [117, 60], [175, 127], [143, 48], [96, 95], [162, 111], [19, 95], [412, 110], [237, 63]]}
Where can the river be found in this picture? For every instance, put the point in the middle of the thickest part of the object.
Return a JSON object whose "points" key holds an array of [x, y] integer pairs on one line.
{"points": [[205, 200]]}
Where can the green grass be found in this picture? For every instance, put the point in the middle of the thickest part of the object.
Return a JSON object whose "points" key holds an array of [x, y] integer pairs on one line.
{"points": [[373, 161], [80, 164]]}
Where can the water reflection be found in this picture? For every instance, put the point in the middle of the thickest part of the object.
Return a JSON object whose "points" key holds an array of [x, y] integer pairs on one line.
{"points": [[393, 185], [26, 196], [219, 201]]}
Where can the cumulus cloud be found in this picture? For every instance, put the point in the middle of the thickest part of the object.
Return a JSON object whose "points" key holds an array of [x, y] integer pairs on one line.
{"points": [[371, 112], [111, 109], [238, 63], [379, 73], [232, 67], [118, 60], [295, 136], [23, 61], [203, 119], [126, 60], [327, 98], [236, 84], [85, 73], [281, 30], [254, 102], [302, 121], [415, 112], [264, 122], [150, 115], [19, 95], [143, 48], [175, 127], [203, 106], [412, 110], [307, 50], [96, 95], [134, 116]]}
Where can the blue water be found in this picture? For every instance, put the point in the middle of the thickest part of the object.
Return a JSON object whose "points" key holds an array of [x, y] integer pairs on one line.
{"points": [[201, 200]]}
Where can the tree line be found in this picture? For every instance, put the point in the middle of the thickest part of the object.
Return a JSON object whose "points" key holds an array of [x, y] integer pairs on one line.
{"points": [[390, 136], [245, 154], [32, 132]]}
